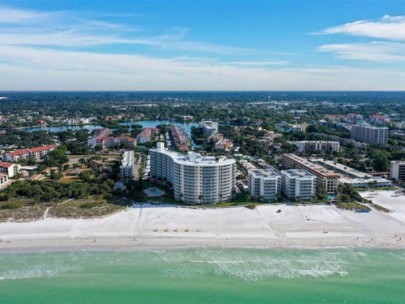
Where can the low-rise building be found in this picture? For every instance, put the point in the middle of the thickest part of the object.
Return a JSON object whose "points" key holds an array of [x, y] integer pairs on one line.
{"points": [[36, 153], [326, 180], [121, 141], [265, 184], [3, 180], [209, 127], [352, 176], [10, 169], [379, 119], [224, 144], [147, 135], [299, 128], [180, 138], [98, 137], [298, 184]]}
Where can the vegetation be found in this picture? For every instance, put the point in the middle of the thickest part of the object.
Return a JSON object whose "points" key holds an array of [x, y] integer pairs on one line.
{"points": [[49, 191]]}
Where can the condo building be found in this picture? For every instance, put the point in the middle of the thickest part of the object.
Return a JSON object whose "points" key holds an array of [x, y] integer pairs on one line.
{"points": [[370, 134], [397, 170], [326, 180], [3, 180], [314, 145], [126, 141], [147, 135], [209, 127], [9, 168], [37, 153], [127, 166], [298, 184], [195, 179], [98, 137], [265, 183]]}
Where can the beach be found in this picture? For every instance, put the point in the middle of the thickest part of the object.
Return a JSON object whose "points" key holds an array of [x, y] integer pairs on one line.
{"points": [[168, 226]]}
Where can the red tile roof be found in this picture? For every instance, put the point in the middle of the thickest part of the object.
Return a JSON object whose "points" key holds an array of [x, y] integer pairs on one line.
{"points": [[43, 148], [5, 164], [18, 152], [32, 150]]}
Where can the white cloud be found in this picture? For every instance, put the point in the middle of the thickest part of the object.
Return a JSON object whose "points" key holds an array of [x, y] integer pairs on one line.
{"points": [[70, 30], [258, 63], [25, 68], [388, 27], [12, 15], [373, 51]]}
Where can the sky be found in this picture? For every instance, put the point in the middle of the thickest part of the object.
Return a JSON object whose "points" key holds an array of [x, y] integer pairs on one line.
{"points": [[130, 45]]}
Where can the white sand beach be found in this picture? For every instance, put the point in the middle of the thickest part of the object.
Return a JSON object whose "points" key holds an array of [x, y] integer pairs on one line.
{"points": [[278, 226]]}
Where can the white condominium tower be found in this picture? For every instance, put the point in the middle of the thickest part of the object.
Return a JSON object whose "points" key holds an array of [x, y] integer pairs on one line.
{"points": [[397, 170], [298, 184], [326, 180], [266, 184], [196, 179], [127, 166]]}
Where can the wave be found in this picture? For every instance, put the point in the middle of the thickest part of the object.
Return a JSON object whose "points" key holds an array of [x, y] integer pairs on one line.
{"points": [[256, 265], [37, 271]]}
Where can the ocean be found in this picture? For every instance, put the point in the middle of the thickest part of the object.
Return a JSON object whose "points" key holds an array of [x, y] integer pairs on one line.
{"points": [[204, 276]]}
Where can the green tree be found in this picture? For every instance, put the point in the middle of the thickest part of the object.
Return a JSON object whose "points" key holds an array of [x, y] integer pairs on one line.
{"points": [[380, 161]]}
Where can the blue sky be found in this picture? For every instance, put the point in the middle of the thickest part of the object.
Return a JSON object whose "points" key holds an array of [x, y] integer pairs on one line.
{"points": [[202, 45]]}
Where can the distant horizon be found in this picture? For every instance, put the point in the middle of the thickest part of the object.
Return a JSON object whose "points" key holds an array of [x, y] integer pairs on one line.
{"points": [[202, 91]]}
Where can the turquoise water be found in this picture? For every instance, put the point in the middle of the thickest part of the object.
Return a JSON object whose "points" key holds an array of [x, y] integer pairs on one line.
{"points": [[204, 276]]}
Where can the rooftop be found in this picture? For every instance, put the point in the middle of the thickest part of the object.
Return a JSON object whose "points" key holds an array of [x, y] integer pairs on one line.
{"points": [[314, 167], [341, 167], [269, 172], [5, 164], [192, 158], [297, 173]]}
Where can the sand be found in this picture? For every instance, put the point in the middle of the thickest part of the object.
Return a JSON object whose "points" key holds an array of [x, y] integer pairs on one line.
{"points": [[279, 226]]}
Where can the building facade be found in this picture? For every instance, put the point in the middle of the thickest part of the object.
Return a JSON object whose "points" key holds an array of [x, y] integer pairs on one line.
{"points": [[3, 180], [121, 141], [298, 184], [195, 179], [326, 180], [98, 137], [209, 127], [370, 134], [127, 166], [36, 153], [313, 145], [265, 184], [10, 169], [147, 135], [397, 170]]}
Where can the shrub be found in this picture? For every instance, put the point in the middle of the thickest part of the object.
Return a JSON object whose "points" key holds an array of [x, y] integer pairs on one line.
{"points": [[12, 206]]}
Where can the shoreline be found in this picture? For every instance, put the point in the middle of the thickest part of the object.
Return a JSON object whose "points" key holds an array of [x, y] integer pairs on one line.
{"points": [[151, 227], [127, 245]]}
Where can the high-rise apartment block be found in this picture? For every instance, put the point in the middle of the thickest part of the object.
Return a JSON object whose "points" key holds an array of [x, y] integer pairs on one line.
{"points": [[370, 134], [265, 184], [195, 179]]}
